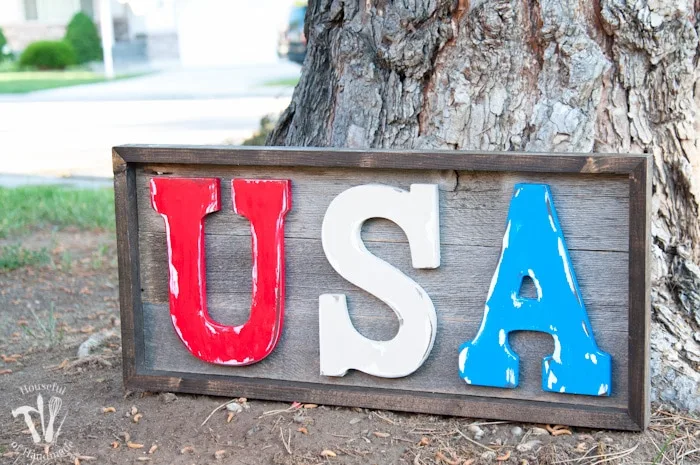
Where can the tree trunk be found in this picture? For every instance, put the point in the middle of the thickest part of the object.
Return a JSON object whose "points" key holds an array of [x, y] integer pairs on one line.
{"points": [[532, 75]]}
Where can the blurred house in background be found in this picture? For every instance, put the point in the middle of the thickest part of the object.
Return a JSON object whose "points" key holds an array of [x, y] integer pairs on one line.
{"points": [[190, 33]]}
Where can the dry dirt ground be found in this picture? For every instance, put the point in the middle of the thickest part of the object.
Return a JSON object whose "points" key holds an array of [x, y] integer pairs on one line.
{"points": [[47, 312]]}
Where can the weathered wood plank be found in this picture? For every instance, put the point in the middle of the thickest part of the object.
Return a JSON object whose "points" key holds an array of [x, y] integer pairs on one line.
{"points": [[596, 215], [462, 280], [389, 399], [126, 212], [640, 297], [473, 212], [296, 358], [614, 163], [473, 206]]}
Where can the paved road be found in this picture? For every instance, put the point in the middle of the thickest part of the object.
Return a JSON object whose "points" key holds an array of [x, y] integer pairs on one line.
{"points": [[69, 132]]}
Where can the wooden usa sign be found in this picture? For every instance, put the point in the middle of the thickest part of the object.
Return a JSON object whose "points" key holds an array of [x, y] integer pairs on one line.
{"points": [[492, 285]]}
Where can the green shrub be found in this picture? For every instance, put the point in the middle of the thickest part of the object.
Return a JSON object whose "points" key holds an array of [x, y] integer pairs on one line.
{"points": [[81, 33], [47, 54], [267, 124], [3, 43]]}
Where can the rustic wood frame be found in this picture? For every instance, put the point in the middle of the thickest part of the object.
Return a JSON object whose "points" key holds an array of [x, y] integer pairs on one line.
{"points": [[637, 167]]}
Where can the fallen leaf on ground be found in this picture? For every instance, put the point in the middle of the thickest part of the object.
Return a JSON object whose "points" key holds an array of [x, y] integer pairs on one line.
{"points": [[328, 453], [303, 430], [108, 410], [442, 457], [134, 445], [504, 457], [380, 434], [553, 428]]}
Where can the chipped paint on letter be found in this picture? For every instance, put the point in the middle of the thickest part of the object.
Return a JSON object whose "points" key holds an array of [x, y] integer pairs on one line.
{"points": [[534, 246], [183, 203], [342, 348]]}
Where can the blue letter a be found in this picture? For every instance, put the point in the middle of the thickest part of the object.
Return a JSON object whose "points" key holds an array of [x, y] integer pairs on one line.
{"points": [[534, 246]]}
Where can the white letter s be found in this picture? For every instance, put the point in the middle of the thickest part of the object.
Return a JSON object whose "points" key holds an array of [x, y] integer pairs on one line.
{"points": [[341, 346]]}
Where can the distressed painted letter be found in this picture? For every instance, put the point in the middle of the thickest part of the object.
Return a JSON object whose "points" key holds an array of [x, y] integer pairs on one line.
{"points": [[342, 347], [183, 203], [534, 246]]}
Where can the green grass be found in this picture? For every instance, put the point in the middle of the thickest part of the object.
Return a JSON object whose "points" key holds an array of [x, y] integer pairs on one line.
{"points": [[48, 331], [16, 256], [26, 209], [20, 82], [288, 82]]}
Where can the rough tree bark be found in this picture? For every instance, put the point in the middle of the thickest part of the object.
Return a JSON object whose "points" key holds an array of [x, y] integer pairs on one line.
{"points": [[532, 75]]}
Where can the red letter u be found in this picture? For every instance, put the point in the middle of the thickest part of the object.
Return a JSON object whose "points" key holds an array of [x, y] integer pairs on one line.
{"points": [[183, 203]]}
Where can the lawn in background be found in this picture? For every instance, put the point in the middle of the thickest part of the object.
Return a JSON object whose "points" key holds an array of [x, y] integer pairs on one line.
{"points": [[20, 82], [31, 208], [286, 82]]}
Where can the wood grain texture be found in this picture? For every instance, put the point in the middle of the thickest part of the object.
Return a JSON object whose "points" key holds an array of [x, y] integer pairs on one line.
{"points": [[473, 211], [640, 296], [596, 215], [376, 159], [387, 399], [125, 198], [473, 207]]}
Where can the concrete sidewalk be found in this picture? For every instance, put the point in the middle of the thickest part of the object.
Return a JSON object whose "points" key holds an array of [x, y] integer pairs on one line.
{"points": [[178, 84], [70, 131], [11, 180]]}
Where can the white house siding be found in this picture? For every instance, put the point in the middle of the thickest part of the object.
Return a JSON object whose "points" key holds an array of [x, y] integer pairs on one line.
{"points": [[52, 16], [50, 22], [202, 33], [226, 32], [56, 11], [11, 11]]}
